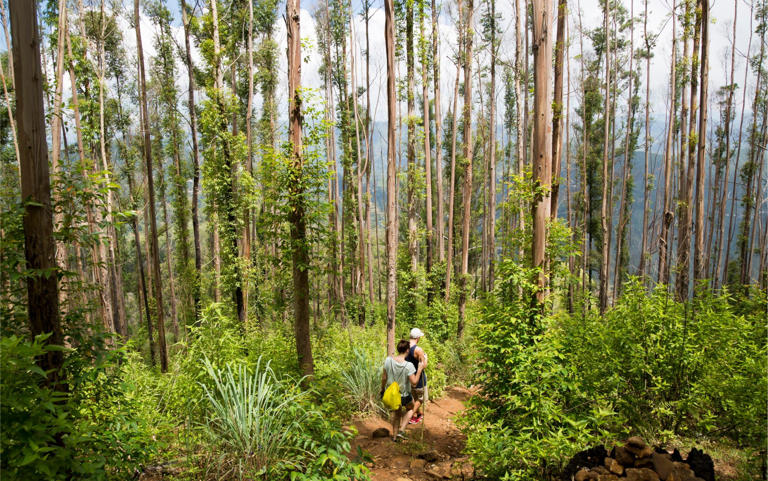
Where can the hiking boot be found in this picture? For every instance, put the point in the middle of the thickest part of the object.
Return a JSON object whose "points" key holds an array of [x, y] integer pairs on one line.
{"points": [[416, 418], [400, 437]]}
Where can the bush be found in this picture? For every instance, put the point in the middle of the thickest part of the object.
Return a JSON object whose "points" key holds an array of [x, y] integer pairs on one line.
{"points": [[88, 432], [650, 366]]}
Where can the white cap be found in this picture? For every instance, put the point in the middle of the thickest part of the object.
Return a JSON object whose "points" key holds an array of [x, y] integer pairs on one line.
{"points": [[416, 333]]}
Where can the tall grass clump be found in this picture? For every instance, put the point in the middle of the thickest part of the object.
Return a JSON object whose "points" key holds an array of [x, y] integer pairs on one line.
{"points": [[361, 380], [255, 421]]}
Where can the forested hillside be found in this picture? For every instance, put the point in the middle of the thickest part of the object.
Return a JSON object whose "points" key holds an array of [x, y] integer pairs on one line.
{"points": [[219, 217]]}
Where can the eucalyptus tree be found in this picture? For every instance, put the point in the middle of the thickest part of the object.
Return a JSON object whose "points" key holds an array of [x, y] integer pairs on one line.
{"points": [[42, 290], [154, 249]]}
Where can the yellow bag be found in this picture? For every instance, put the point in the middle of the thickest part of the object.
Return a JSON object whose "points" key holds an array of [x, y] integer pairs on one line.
{"points": [[391, 397]]}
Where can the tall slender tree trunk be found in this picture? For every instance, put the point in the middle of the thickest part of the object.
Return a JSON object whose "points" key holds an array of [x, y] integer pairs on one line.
{"points": [[667, 214], [440, 233], [699, 266], [688, 167], [246, 235], [454, 131], [369, 161], [114, 283], [56, 135], [727, 134], [557, 108], [604, 207], [466, 196], [427, 144], [155, 272], [389, 39], [542, 138], [196, 165], [300, 248], [39, 247], [492, 142], [625, 212], [732, 223], [647, 141], [413, 239], [521, 112]]}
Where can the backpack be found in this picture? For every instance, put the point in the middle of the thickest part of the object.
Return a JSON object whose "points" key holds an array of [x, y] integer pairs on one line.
{"points": [[391, 397]]}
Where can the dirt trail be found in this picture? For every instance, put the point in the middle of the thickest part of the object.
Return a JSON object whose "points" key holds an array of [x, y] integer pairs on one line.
{"points": [[436, 455]]}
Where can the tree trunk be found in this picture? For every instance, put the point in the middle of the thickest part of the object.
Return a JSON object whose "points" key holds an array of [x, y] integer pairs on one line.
{"points": [[413, 239], [196, 160], [389, 38], [39, 247], [727, 134], [542, 138], [427, 144], [155, 272], [557, 106], [625, 212], [731, 218], [300, 248], [604, 207], [466, 196], [56, 134], [454, 132], [492, 142], [438, 138], [688, 167], [521, 112], [647, 140], [667, 214], [699, 266]]}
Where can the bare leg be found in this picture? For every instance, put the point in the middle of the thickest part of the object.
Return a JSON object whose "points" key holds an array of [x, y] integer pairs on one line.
{"points": [[405, 419]]}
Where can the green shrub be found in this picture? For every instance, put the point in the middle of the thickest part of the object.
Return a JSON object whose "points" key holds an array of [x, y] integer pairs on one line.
{"points": [[88, 432], [650, 366]]}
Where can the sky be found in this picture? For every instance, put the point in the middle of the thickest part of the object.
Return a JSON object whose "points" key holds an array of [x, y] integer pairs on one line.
{"points": [[722, 17], [721, 13]]}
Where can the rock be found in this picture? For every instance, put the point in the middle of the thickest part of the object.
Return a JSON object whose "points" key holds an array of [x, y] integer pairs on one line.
{"points": [[637, 446], [440, 470], [607, 477], [429, 456], [616, 467], [607, 462], [582, 475], [641, 474], [676, 456], [680, 472], [646, 462], [701, 464], [380, 433], [600, 470], [662, 464], [636, 442], [417, 464], [403, 479], [589, 458], [624, 457]]}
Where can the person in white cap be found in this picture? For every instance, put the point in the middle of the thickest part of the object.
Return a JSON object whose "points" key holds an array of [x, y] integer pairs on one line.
{"points": [[417, 356]]}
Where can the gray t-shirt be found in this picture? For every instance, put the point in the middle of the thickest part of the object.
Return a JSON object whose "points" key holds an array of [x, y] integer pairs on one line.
{"points": [[399, 372]]}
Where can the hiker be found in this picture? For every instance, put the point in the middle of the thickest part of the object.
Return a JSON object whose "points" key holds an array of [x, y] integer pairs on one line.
{"points": [[417, 356], [397, 369]]}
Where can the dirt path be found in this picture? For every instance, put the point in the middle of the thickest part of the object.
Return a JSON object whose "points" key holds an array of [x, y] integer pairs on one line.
{"points": [[436, 455]]}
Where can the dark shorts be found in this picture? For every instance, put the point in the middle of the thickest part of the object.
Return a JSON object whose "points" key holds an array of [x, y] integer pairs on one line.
{"points": [[405, 401], [418, 394]]}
